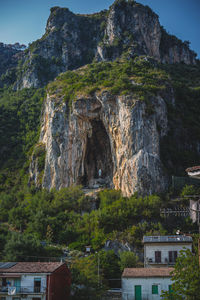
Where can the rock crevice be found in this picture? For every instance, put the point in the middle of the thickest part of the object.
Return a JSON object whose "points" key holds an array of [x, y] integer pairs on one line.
{"points": [[113, 133]]}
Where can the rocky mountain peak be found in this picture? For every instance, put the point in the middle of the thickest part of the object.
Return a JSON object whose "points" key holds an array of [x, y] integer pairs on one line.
{"points": [[72, 40]]}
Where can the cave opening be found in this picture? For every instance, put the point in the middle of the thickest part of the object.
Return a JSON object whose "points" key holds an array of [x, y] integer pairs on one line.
{"points": [[98, 165]]}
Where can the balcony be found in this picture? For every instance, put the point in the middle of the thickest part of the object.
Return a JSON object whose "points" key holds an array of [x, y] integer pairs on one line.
{"points": [[12, 290], [167, 239]]}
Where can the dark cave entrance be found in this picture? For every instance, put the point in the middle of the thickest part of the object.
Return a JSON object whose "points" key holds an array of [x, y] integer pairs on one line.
{"points": [[98, 157]]}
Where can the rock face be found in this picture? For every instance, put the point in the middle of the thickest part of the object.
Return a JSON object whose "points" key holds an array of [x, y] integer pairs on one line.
{"points": [[9, 57], [118, 134], [71, 41]]}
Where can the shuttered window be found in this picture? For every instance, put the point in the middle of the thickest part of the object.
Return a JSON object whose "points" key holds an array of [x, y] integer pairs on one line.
{"points": [[172, 256], [155, 289], [170, 289], [158, 256]]}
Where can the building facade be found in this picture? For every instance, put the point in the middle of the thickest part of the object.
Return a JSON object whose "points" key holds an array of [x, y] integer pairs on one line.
{"points": [[34, 281], [145, 283], [162, 251]]}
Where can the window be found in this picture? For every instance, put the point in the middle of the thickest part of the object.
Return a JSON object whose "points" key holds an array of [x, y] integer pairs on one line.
{"points": [[172, 256], [37, 285], [17, 284], [158, 256], [155, 289], [4, 281]]}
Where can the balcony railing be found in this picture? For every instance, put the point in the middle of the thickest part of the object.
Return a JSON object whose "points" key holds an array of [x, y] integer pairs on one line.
{"points": [[167, 239], [162, 262], [23, 290]]}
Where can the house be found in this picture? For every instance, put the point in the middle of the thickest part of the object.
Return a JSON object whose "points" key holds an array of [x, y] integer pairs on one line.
{"points": [[34, 281], [162, 251], [145, 283]]}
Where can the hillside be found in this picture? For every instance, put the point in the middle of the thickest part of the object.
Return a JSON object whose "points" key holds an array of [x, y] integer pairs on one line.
{"points": [[111, 91]]}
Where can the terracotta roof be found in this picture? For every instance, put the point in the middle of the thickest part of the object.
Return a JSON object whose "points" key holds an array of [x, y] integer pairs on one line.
{"points": [[195, 168], [32, 267], [147, 272]]}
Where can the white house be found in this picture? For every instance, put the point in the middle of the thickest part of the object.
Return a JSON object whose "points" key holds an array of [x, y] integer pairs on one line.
{"points": [[145, 283], [162, 251], [34, 281]]}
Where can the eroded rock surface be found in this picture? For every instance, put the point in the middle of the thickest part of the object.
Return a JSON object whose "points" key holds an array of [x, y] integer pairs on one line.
{"points": [[72, 40], [118, 134]]}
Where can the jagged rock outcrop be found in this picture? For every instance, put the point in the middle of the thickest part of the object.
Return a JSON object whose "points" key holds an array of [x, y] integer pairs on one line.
{"points": [[71, 41], [9, 57], [117, 134]]}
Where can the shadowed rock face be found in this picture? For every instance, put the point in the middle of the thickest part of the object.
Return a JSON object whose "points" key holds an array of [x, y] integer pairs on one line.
{"points": [[116, 134], [71, 41], [98, 155], [9, 57]]}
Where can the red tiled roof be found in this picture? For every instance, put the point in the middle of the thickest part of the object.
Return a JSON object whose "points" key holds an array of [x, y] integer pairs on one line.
{"points": [[33, 267], [195, 168], [147, 272]]}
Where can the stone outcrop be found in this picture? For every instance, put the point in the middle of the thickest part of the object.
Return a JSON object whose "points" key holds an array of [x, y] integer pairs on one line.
{"points": [[118, 134], [71, 41], [9, 57]]}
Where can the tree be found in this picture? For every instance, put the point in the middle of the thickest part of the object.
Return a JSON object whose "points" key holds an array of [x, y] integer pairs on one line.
{"points": [[109, 264], [186, 278], [49, 234], [85, 278], [128, 260], [21, 247]]}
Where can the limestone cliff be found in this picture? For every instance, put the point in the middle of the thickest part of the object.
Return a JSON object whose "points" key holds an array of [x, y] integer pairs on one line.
{"points": [[9, 57], [116, 134], [70, 41]]}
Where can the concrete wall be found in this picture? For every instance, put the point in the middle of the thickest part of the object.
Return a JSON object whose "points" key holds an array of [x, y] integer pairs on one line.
{"points": [[149, 251], [128, 287], [27, 283]]}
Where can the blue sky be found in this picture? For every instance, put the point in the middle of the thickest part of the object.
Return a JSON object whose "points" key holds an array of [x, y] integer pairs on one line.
{"points": [[24, 21]]}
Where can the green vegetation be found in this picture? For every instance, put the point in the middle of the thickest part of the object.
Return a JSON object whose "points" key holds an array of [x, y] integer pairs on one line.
{"points": [[186, 278], [42, 66], [38, 224], [56, 216], [19, 128], [128, 260], [179, 147], [39, 153], [138, 77]]}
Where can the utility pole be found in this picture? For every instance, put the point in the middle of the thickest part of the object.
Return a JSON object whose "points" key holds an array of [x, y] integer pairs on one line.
{"points": [[98, 268], [199, 251], [184, 212]]}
